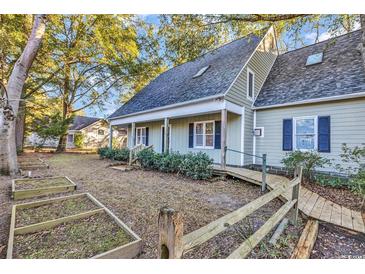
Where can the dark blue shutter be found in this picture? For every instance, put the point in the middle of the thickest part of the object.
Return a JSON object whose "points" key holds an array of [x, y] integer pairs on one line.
{"points": [[191, 135], [324, 134], [163, 140], [288, 134], [147, 133], [217, 136]]}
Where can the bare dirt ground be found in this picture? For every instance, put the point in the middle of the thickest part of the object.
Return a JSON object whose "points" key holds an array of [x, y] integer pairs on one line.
{"points": [[136, 197], [335, 243]]}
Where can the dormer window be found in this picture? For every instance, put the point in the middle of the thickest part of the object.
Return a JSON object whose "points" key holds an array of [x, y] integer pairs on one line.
{"points": [[201, 72], [314, 59], [250, 84]]}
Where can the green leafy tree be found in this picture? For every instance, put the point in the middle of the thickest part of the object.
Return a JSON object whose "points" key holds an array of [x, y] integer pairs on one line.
{"points": [[92, 56], [79, 140], [51, 126]]}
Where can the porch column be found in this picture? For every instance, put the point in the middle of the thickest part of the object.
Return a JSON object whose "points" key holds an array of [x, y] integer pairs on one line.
{"points": [[110, 136], [166, 136], [223, 137], [133, 134]]}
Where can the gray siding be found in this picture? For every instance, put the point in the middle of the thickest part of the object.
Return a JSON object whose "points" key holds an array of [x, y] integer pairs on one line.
{"points": [[347, 126], [180, 136], [260, 63]]}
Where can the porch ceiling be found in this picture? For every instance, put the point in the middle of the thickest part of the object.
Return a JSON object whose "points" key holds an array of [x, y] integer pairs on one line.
{"points": [[206, 107]]}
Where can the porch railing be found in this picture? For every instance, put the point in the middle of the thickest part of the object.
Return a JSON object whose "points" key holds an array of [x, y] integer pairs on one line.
{"points": [[263, 165], [134, 151]]}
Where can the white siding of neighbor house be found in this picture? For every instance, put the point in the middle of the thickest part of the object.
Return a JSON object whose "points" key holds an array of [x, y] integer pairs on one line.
{"points": [[347, 126], [260, 63], [180, 136]]}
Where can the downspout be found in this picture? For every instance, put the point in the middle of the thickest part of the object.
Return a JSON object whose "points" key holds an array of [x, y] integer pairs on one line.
{"points": [[254, 138]]}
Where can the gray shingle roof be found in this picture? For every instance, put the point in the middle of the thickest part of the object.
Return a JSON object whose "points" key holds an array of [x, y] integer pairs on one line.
{"points": [[341, 72], [81, 122], [177, 85]]}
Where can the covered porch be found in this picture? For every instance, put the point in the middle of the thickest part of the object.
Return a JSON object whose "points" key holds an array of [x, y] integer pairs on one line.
{"points": [[208, 126]]}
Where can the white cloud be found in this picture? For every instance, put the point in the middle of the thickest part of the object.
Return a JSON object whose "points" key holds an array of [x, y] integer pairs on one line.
{"points": [[324, 36]]}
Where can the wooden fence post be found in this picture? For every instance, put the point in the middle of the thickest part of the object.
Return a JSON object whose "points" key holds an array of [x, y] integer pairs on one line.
{"points": [[295, 194], [170, 234], [264, 170]]}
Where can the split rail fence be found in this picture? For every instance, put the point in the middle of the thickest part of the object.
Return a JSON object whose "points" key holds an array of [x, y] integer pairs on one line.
{"points": [[173, 244]]}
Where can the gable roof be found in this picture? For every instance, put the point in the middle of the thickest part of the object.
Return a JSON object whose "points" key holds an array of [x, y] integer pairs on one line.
{"points": [[342, 72], [177, 85], [80, 122]]}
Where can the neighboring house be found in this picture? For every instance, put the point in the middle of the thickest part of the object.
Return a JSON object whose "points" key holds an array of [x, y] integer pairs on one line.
{"points": [[246, 96], [95, 132]]}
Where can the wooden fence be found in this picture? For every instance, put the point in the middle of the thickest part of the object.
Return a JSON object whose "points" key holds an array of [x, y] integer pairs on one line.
{"points": [[173, 244]]}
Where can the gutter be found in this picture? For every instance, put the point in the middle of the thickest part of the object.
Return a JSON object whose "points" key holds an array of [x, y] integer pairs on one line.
{"points": [[316, 100], [191, 102]]}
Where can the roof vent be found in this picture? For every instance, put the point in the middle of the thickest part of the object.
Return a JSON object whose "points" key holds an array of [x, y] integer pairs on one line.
{"points": [[201, 71], [314, 59]]}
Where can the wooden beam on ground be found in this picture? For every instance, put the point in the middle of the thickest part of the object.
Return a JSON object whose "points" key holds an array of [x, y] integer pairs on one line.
{"points": [[209, 231], [279, 230], [52, 223], [170, 234], [244, 250], [223, 137], [306, 241]]}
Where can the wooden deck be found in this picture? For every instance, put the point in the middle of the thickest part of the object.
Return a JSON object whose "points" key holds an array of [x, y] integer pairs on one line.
{"points": [[310, 203]]}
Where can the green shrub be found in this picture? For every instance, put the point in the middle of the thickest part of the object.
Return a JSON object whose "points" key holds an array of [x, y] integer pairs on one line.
{"points": [[121, 154], [333, 181], [149, 159], [357, 184], [308, 159], [171, 162], [114, 154], [353, 160], [79, 140], [197, 166], [102, 151], [194, 165]]}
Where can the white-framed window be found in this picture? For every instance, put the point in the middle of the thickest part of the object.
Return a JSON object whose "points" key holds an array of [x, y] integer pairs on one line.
{"points": [[140, 135], [204, 134], [101, 132], [305, 133], [250, 84]]}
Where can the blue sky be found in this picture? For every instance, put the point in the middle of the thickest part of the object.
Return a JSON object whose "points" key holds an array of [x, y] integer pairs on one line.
{"points": [[307, 36]]}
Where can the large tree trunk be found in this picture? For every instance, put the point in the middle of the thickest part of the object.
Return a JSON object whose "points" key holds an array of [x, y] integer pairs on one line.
{"points": [[16, 83], [65, 107], [20, 128]]}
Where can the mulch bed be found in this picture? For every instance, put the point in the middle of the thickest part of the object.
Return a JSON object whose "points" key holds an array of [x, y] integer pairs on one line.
{"points": [[335, 243], [40, 183], [341, 196], [83, 238], [54, 210]]}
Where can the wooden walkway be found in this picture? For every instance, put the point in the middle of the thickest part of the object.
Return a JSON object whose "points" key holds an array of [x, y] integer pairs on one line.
{"points": [[310, 203]]}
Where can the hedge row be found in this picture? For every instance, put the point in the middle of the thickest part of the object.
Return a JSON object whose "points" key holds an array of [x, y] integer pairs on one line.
{"points": [[114, 153], [194, 165]]}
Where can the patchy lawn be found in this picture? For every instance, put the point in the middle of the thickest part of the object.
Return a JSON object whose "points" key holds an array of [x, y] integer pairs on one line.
{"points": [[136, 196]]}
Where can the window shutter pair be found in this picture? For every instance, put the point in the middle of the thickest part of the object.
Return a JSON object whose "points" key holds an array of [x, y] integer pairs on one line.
{"points": [[324, 134], [217, 136]]}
